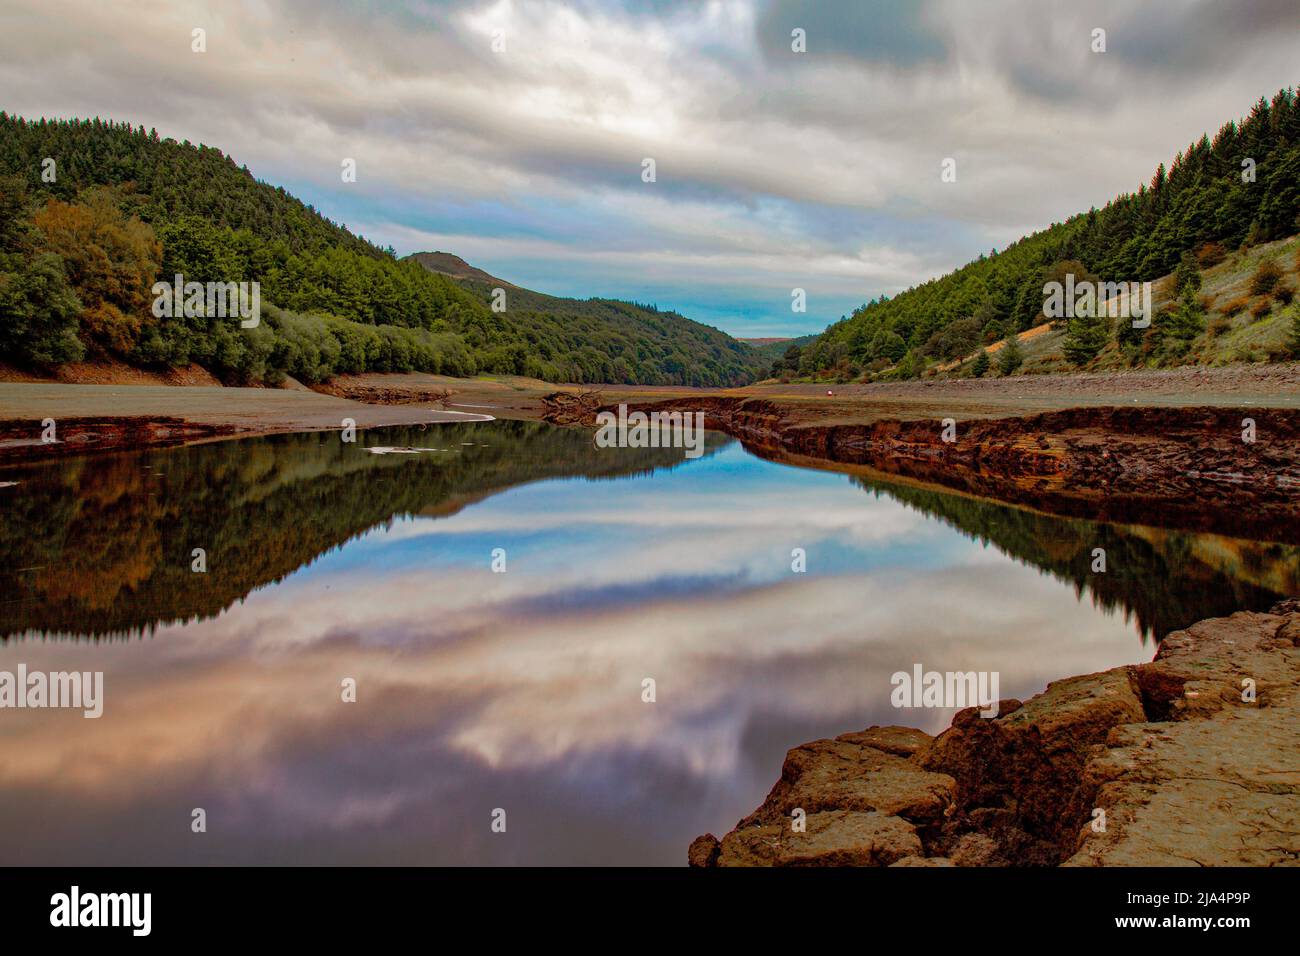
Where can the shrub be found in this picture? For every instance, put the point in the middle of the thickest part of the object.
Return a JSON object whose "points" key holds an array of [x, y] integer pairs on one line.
{"points": [[993, 331], [912, 365], [1235, 306], [1262, 308], [1284, 293], [38, 312], [1210, 254], [1186, 321], [1266, 277]]}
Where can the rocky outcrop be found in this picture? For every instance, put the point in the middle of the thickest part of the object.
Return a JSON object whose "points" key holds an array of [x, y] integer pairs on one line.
{"points": [[1214, 780], [831, 838], [1192, 759], [860, 800]]}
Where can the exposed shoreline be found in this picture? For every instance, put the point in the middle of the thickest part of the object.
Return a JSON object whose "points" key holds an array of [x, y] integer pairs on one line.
{"points": [[1160, 764], [1178, 467], [101, 418], [1158, 448]]}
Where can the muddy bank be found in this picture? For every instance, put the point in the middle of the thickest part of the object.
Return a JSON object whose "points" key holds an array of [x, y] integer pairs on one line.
{"points": [[94, 418], [1188, 468], [24, 441], [1191, 760], [382, 393], [1167, 465]]}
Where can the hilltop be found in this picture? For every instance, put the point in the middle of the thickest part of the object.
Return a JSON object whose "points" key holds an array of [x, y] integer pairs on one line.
{"points": [[454, 266]]}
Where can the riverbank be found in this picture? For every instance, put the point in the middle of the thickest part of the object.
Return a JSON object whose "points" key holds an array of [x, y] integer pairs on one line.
{"points": [[1202, 449], [1228, 470], [94, 418], [1190, 760]]}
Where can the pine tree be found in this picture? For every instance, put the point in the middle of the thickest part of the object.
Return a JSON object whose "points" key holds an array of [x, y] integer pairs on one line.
{"points": [[1010, 358], [981, 366], [1085, 336], [1187, 321], [1187, 273]]}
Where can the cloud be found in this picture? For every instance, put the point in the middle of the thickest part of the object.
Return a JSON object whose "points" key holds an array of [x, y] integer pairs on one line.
{"points": [[818, 170], [881, 31]]}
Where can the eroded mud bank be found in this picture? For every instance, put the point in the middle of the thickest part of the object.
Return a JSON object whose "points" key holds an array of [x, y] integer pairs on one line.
{"points": [[26, 441], [1226, 470]]}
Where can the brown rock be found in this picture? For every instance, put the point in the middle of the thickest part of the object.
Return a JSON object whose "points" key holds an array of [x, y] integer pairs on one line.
{"points": [[1030, 760], [1187, 769], [1200, 671], [923, 861], [975, 849], [703, 851], [1218, 784], [899, 741], [833, 838], [844, 774]]}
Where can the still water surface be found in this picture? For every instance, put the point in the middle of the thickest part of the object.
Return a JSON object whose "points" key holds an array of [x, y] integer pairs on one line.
{"points": [[519, 690]]}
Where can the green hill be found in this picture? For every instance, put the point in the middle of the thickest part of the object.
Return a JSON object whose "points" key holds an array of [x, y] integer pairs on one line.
{"points": [[782, 355], [1204, 208], [630, 341], [80, 253]]}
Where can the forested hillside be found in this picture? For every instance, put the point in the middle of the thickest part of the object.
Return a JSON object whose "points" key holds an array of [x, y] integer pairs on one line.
{"points": [[1237, 189], [79, 253], [627, 341]]}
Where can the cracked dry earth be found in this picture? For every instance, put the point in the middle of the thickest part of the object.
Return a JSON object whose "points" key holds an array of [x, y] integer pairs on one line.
{"points": [[1177, 760]]}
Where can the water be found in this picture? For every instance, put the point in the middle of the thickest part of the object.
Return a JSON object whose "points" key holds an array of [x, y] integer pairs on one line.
{"points": [[521, 690]]}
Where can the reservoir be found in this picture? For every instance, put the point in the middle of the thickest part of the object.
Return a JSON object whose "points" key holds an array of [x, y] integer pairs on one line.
{"points": [[497, 601]]}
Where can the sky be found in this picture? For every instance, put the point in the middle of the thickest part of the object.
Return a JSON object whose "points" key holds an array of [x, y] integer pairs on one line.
{"points": [[514, 133]]}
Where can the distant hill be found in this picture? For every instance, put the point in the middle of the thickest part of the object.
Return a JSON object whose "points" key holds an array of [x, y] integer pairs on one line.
{"points": [[79, 255], [645, 344], [1221, 195], [454, 266], [773, 349]]}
